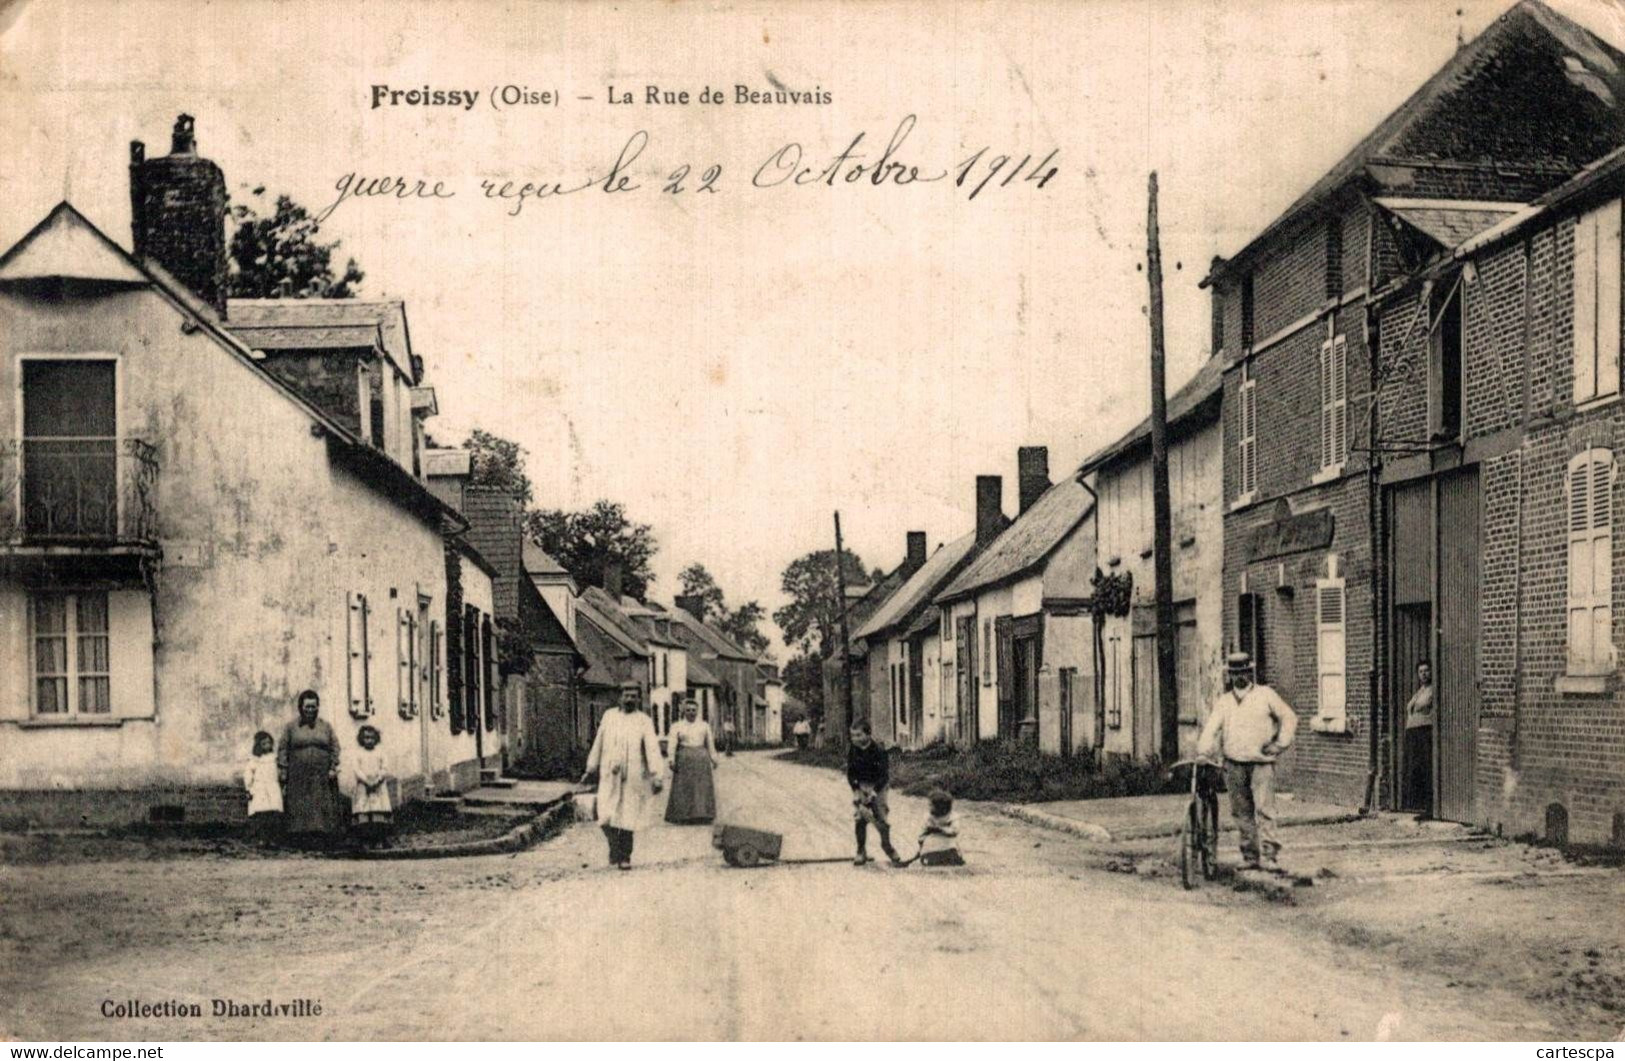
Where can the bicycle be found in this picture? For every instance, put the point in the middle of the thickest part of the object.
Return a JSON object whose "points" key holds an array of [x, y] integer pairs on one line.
{"points": [[1199, 832]]}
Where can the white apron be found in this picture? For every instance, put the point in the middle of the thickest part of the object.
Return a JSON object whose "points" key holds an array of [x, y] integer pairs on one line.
{"points": [[626, 755]]}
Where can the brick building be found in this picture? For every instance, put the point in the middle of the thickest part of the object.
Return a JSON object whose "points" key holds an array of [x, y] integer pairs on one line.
{"points": [[1513, 113]]}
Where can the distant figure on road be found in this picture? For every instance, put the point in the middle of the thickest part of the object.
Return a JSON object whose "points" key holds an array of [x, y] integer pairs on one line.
{"points": [[728, 734], [803, 732], [626, 757], [1419, 743], [868, 772], [693, 757], [1250, 726]]}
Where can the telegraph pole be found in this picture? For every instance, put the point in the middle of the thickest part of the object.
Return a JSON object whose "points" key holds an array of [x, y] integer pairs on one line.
{"points": [[846, 627], [1162, 542]]}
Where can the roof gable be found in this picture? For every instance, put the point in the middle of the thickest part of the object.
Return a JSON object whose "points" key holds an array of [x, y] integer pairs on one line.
{"points": [[920, 587], [1027, 542], [65, 245]]}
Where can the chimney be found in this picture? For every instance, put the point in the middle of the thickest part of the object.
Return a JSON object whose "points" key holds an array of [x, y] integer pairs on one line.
{"points": [[693, 604], [178, 214], [916, 553], [989, 508], [1032, 474], [613, 574]]}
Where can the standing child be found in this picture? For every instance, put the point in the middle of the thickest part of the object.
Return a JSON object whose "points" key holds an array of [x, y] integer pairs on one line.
{"points": [[370, 809], [868, 772], [939, 840], [264, 791]]}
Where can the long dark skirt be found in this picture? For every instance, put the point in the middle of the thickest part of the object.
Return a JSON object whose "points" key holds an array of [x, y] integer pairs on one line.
{"points": [[1418, 793], [310, 799], [693, 793]]}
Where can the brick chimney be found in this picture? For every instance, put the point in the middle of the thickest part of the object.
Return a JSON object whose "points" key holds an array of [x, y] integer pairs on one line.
{"points": [[693, 604], [1032, 474], [915, 558], [989, 508], [613, 574], [178, 214]]}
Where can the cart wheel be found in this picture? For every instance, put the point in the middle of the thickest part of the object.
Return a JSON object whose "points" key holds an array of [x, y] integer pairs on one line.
{"points": [[746, 856], [728, 856], [1210, 838], [1190, 850]]}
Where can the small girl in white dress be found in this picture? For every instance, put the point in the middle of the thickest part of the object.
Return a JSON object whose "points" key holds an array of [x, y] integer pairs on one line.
{"points": [[370, 809], [264, 790]]}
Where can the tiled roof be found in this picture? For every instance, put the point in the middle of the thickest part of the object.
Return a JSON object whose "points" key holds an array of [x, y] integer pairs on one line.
{"points": [[278, 337], [319, 315], [699, 674], [536, 561], [713, 639], [1026, 542], [618, 630], [598, 646], [921, 586], [1195, 402]]}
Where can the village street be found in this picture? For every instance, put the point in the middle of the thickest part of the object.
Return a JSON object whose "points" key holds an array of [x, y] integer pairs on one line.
{"points": [[1030, 939]]}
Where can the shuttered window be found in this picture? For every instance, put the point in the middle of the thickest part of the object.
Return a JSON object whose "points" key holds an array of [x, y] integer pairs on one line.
{"points": [[1591, 566], [436, 669], [1333, 402], [359, 655], [1597, 303], [1247, 447], [406, 662], [1331, 634]]}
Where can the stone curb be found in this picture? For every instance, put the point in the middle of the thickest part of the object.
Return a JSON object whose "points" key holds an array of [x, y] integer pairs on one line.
{"points": [[1100, 834], [513, 841]]}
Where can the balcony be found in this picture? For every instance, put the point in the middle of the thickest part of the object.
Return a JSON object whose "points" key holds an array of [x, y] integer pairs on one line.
{"points": [[86, 494]]}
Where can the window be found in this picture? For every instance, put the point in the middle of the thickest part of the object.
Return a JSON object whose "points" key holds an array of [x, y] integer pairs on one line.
{"points": [[987, 652], [1334, 258], [1596, 303], [490, 684], [406, 661], [1333, 402], [945, 629], [1331, 636], [1247, 446], [1247, 313], [71, 657], [1250, 626], [436, 670], [1591, 568], [70, 448], [665, 668], [359, 655], [1218, 322], [471, 669], [1444, 370]]}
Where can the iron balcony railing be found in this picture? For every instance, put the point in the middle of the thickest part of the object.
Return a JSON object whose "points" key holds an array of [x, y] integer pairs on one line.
{"points": [[78, 490]]}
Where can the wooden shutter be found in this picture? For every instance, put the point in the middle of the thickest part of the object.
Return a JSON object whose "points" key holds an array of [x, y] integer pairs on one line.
{"points": [[1591, 572], [1246, 448], [1327, 373], [1331, 633], [358, 656], [1597, 303], [1608, 295], [403, 664], [436, 669], [1340, 399]]}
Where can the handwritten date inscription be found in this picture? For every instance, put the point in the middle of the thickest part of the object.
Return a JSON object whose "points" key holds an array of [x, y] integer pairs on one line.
{"points": [[791, 165]]}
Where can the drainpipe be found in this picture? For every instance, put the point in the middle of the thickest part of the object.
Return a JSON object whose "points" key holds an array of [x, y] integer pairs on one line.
{"points": [[1379, 569]]}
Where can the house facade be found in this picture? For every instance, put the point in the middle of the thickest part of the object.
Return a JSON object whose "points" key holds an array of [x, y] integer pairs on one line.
{"points": [[1125, 719], [1513, 113], [187, 541], [1023, 641]]}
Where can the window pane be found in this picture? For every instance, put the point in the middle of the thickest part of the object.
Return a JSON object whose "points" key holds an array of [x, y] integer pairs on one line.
{"points": [[93, 655], [51, 696], [91, 613], [50, 614], [94, 696], [68, 399], [50, 655]]}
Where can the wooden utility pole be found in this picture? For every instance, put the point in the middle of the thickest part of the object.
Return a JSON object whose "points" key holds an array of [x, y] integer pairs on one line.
{"points": [[1162, 516], [846, 627]]}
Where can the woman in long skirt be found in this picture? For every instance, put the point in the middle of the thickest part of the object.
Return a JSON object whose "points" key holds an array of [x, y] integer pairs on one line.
{"points": [[308, 766], [693, 757]]}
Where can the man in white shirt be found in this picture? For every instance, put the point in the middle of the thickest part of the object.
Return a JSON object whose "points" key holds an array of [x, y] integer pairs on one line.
{"points": [[1250, 726]]}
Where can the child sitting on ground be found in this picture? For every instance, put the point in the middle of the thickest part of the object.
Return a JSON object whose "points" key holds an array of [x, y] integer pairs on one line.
{"points": [[939, 840], [264, 791], [371, 812]]}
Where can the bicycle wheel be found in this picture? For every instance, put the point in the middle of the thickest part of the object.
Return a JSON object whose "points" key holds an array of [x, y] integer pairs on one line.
{"points": [[1190, 852], [1210, 838]]}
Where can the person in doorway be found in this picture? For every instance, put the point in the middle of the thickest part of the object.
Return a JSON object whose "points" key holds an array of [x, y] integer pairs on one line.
{"points": [[307, 760], [868, 773], [728, 734], [1250, 726], [693, 758], [803, 732], [626, 757], [1418, 749]]}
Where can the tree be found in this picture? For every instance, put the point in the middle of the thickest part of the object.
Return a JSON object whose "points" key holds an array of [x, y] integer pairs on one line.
{"points": [[804, 680], [494, 461], [268, 252], [811, 621], [740, 625], [585, 543], [695, 581]]}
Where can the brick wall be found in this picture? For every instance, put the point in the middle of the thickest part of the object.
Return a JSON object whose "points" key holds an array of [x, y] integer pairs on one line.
{"points": [[494, 531]]}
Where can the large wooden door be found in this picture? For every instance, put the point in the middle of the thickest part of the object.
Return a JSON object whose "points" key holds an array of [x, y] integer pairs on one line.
{"points": [[1147, 734], [1456, 712], [965, 660]]}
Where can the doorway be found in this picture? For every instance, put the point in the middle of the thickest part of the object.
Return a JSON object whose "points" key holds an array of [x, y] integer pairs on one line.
{"points": [[1456, 656]]}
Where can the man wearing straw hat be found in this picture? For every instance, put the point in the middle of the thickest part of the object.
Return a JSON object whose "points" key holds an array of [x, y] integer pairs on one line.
{"points": [[1250, 726]]}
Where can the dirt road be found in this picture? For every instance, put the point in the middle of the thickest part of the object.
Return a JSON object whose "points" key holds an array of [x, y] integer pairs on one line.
{"points": [[1024, 942]]}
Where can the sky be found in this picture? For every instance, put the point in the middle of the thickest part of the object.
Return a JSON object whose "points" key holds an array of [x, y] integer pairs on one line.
{"points": [[736, 365]]}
